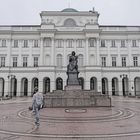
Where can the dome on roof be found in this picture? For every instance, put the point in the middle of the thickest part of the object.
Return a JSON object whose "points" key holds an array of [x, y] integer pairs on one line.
{"points": [[69, 10]]}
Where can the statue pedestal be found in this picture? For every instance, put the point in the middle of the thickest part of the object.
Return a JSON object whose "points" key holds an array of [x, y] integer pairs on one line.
{"points": [[76, 98], [72, 78], [73, 87]]}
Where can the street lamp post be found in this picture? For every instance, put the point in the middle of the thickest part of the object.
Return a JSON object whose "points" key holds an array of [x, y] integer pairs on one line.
{"points": [[123, 76], [10, 77]]}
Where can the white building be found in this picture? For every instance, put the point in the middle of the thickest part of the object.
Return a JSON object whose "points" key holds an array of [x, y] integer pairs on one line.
{"points": [[30, 56]]}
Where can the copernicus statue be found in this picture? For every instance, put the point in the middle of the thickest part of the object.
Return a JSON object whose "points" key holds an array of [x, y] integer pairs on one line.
{"points": [[73, 60], [72, 70]]}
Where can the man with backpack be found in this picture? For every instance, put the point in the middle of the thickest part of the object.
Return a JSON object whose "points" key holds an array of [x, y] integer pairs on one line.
{"points": [[37, 103]]}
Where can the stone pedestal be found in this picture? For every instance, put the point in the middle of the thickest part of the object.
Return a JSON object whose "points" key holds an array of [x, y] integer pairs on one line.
{"points": [[74, 87], [72, 78], [77, 98]]}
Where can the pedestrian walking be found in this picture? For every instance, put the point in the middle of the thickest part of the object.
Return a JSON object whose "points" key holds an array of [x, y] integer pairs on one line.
{"points": [[37, 103]]}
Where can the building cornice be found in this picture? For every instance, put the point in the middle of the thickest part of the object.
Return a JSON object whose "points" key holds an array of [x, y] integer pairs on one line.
{"points": [[59, 13]]}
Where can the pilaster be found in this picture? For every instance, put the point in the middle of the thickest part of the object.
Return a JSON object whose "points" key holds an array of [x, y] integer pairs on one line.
{"points": [[52, 52], [97, 52], [41, 52], [86, 53]]}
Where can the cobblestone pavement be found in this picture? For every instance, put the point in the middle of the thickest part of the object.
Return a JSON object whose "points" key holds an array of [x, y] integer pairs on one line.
{"points": [[119, 122]]}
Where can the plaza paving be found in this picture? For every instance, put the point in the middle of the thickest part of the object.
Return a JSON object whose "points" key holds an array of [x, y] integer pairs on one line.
{"points": [[120, 122]]}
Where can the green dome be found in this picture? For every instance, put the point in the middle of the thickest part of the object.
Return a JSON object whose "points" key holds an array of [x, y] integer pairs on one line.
{"points": [[69, 10]]}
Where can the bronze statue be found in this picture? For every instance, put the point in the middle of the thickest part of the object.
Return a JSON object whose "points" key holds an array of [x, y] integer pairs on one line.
{"points": [[73, 60], [72, 70]]}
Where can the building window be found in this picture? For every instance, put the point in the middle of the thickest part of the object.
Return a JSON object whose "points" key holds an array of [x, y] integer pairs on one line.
{"points": [[70, 43], [122, 43], [91, 42], [15, 43], [35, 43], [59, 43], [35, 61], [14, 61], [102, 43], [25, 44], [47, 42], [103, 61], [80, 60], [113, 61], [25, 61], [134, 43], [80, 43], [135, 61], [59, 84], [123, 61], [59, 60], [3, 43], [113, 43], [2, 61]]}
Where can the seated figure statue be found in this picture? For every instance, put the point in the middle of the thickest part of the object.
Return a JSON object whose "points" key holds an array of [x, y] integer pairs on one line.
{"points": [[73, 60]]}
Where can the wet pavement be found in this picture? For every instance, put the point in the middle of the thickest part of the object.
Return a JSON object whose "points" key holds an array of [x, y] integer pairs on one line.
{"points": [[119, 122]]}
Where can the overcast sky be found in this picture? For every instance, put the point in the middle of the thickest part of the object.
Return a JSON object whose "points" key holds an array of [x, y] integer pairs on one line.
{"points": [[112, 12]]}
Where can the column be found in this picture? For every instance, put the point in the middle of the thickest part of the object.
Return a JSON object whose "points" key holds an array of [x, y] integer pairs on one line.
{"points": [[52, 53], [52, 84], [131, 87], [9, 51], [87, 83], [29, 87], [40, 85], [30, 60], [120, 87], [109, 87], [129, 61], [19, 61], [18, 88], [41, 52], [6, 86], [74, 45], [64, 54], [97, 52], [99, 85], [108, 57], [86, 53]]}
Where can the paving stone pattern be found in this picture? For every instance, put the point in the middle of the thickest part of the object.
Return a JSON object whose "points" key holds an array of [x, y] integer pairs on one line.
{"points": [[120, 122]]}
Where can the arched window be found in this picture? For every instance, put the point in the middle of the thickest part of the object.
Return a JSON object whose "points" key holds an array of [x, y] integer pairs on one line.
{"points": [[59, 84], [1, 87], [69, 22], [104, 86], [137, 86], [13, 87], [59, 60], [24, 87], [81, 82], [46, 85], [34, 84], [93, 84], [115, 86]]}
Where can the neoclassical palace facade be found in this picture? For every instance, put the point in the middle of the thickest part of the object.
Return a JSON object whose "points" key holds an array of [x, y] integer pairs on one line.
{"points": [[37, 55]]}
